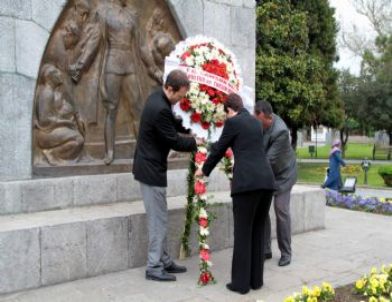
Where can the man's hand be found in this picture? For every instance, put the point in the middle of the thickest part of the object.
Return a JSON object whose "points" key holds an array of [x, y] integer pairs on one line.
{"points": [[199, 173]]}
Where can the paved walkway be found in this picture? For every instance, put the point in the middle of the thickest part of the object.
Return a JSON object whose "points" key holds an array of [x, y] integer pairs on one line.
{"points": [[348, 161], [351, 243]]}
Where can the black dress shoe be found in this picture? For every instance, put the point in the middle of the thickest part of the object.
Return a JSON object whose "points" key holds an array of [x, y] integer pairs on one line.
{"points": [[267, 255], [229, 286], [283, 261], [175, 268], [256, 287], [160, 276]]}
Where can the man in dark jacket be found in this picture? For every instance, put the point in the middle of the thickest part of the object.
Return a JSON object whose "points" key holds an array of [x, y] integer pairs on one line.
{"points": [[157, 135], [251, 190], [283, 162]]}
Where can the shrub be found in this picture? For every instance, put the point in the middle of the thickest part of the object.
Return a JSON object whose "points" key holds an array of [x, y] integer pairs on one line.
{"points": [[386, 174]]}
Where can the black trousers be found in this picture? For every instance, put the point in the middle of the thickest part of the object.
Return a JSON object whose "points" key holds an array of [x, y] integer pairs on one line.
{"points": [[250, 212]]}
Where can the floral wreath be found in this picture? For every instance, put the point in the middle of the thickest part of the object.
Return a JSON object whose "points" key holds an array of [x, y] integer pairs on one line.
{"points": [[214, 73]]}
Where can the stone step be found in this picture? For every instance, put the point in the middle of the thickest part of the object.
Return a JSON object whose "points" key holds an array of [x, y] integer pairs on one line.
{"points": [[50, 247], [42, 194]]}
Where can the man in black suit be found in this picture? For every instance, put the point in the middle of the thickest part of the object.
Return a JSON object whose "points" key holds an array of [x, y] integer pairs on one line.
{"points": [[158, 133], [251, 190]]}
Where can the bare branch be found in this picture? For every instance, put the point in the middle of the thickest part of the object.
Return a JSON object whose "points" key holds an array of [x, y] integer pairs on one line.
{"points": [[378, 12], [355, 41]]}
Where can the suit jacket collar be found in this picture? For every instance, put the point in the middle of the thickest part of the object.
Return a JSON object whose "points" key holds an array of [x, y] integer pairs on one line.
{"points": [[164, 97], [243, 111]]}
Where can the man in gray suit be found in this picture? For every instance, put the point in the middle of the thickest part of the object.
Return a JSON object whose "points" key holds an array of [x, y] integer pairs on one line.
{"points": [[283, 162]]}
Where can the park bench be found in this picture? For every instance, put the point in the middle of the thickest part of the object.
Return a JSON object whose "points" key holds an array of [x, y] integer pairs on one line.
{"points": [[382, 150]]}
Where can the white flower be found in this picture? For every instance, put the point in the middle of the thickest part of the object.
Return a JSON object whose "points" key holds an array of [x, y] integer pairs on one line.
{"points": [[203, 196], [204, 231], [203, 213], [209, 263], [205, 246], [189, 61], [199, 60], [202, 150]]}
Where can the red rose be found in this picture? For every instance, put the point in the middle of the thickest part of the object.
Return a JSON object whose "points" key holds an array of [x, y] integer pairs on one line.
{"points": [[200, 157], [200, 187], [205, 125], [185, 104], [196, 117], [229, 153], [204, 278], [204, 254], [203, 222], [218, 124]]}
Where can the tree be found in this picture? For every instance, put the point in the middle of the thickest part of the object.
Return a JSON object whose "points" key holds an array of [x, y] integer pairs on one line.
{"points": [[379, 15], [322, 44], [348, 87], [375, 91], [294, 65]]}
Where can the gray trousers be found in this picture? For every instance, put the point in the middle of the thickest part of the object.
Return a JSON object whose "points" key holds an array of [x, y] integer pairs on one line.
{"points": [[283, 225], [155, 203]]}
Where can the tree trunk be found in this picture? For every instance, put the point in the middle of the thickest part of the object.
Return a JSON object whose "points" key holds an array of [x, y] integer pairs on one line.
{"points": [[294, 137], [390, 143], [343, 139]]}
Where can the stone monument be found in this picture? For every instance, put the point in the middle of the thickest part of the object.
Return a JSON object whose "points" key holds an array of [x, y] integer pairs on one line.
{"points": [[59, 117]]}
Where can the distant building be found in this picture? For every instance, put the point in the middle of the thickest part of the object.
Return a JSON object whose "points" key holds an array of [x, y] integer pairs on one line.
{"points": [[321, 135]]}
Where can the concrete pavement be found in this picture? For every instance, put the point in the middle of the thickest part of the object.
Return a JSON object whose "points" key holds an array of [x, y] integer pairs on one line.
{"points": [[350, 245]]}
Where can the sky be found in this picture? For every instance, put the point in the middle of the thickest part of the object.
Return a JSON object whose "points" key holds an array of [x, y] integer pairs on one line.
{"points": [[347, 16]]}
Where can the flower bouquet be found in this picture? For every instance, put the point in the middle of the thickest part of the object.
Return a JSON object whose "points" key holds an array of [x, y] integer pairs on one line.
{"points": [[214, 73]]}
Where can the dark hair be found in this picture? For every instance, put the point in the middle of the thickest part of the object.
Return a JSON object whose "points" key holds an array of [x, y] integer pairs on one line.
{"points": [[177, 79], [263, 106], [234, 101]]}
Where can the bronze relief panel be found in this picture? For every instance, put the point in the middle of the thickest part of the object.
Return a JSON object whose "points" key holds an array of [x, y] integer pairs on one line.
{"points": [[102, 60]]}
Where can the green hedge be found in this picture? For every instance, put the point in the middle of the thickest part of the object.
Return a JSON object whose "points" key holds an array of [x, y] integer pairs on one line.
{"points": [[386, 174], [385, 170]]}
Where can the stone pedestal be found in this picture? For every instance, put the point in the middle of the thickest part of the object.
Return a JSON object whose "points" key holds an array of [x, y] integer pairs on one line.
{"points": [[98, 232]]}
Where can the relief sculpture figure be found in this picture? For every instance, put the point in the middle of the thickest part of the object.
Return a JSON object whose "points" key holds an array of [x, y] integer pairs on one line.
{"points": [[59, 130], [116, 31]]}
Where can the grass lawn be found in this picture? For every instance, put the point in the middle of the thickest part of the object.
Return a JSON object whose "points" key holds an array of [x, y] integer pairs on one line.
{"points": [[353, 151], [315, 173]]}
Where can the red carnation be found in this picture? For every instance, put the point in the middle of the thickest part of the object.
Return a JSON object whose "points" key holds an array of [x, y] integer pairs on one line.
{"points": [[203, 87], [200, 187], [203, 222], [211, 92], [218, 124], [229, 153], [185, 104], [200, 157], [205, 278], [196, 117], [204, 254], [205, 125], [185, 55], [216, 101]]}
